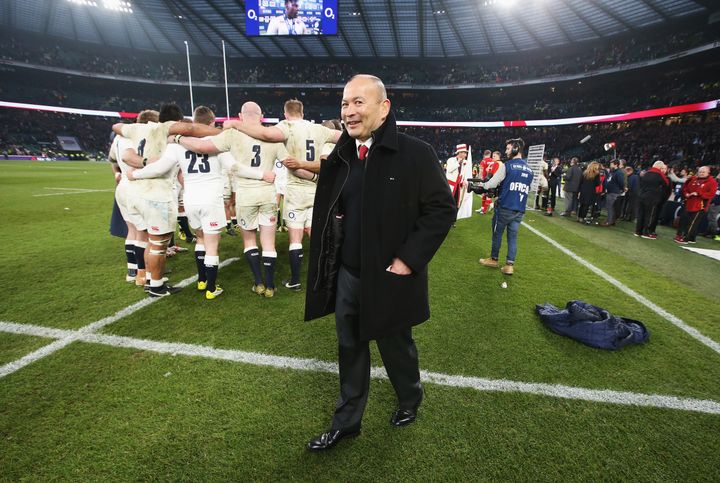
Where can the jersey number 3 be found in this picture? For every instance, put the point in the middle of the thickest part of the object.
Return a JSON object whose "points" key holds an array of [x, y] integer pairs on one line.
{"points": [[255, 162], [202, 167]]}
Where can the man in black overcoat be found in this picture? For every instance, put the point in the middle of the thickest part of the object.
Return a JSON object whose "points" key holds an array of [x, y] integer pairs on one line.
{"points": [[382, 209]]}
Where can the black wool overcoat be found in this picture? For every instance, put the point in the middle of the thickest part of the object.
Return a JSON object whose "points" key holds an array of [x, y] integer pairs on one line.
{"points": [[407, 211]]}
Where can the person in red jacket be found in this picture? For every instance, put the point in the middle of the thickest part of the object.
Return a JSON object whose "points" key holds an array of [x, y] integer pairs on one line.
{"points": [[697, 192], [488, 168], [483, 174]]}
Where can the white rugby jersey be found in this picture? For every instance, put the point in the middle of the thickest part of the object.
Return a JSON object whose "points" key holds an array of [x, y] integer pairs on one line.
{"points": [[203, 173], [253, 157], [149, 141], [118, 146], [149, 138], [305, 141]]}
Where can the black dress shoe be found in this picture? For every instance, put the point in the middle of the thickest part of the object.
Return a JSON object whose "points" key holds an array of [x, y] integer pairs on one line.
{"points": [[403, 417], [330, 438]]}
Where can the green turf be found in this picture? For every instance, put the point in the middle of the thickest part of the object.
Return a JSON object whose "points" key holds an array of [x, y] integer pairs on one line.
{"points": [[663, 256], [14, 346], [139, 416], [98, 413]]}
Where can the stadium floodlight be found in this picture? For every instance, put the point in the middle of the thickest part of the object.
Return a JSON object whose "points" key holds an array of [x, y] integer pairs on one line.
{"points": [[114, 5], [503, 3], [118, 5]]}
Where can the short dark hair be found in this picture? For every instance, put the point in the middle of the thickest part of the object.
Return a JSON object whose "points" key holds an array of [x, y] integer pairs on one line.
{"points": [[520, 143], [170, 112]]}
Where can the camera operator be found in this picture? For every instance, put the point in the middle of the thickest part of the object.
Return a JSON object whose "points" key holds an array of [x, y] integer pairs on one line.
{"points": [[516, 178]]}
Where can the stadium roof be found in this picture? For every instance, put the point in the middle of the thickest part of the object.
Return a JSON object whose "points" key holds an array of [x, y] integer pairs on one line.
{"points": [[367, 28]]}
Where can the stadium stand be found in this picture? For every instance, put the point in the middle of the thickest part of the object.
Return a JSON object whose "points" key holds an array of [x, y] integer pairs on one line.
{"points": [[679, 82], [581, 58]]}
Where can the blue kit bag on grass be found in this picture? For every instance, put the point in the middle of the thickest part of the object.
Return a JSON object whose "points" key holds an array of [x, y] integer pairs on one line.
{"points": [[592, 325]]}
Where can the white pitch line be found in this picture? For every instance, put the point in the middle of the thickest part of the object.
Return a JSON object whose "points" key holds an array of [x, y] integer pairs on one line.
{"points": [[676, 321], [68, 189], [44, 351], [55, 166], [72, 336], [313, 365], [77, 192]]}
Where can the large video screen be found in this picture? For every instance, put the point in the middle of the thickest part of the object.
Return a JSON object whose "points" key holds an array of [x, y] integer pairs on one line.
{"points": [[292, 17]]}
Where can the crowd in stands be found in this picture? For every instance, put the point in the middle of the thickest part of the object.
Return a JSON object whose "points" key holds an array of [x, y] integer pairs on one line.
{"points": [[34, 133], [692, 139], [639, 142], [576, 59], [575, 101], [623, 93]]}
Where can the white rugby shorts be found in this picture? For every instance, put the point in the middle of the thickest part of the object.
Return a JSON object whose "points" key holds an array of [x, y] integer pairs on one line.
{"points": [[249, 217], [209, 217], [123, 196], [159, 217], [298, 207]]}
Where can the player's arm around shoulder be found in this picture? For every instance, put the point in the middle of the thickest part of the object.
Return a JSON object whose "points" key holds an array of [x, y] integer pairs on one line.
{"points": [[196, 145], [194, 130], [118, 128], [161, 167], [269, 134]]}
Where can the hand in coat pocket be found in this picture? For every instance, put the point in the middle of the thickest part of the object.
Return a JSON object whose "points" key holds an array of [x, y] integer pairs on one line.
{"points": [[398, 267]]}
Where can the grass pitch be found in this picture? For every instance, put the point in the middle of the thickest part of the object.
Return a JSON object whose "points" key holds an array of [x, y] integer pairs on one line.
{"points": [[100, 413]]}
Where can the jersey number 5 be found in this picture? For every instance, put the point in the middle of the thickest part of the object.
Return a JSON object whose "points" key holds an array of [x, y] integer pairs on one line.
{"points": [[203, 167], [310, 147]]}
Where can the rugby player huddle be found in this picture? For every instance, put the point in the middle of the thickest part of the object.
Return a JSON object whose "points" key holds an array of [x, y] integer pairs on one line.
{"points": [[163, 150]]}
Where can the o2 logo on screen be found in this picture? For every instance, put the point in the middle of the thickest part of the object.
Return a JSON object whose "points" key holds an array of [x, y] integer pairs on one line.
{"points": [[304, 17]]}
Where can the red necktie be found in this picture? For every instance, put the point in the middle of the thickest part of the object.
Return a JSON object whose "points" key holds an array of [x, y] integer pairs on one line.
{"points": [[362, 152]]}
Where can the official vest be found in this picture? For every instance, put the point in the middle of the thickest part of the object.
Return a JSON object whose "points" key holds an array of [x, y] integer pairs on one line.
{"points": [[515, 187]]}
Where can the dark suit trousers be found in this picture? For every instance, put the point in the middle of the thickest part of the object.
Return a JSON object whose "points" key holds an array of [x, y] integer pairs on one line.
{"points": [[690, 223], [647, 218], [398, 353]]}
